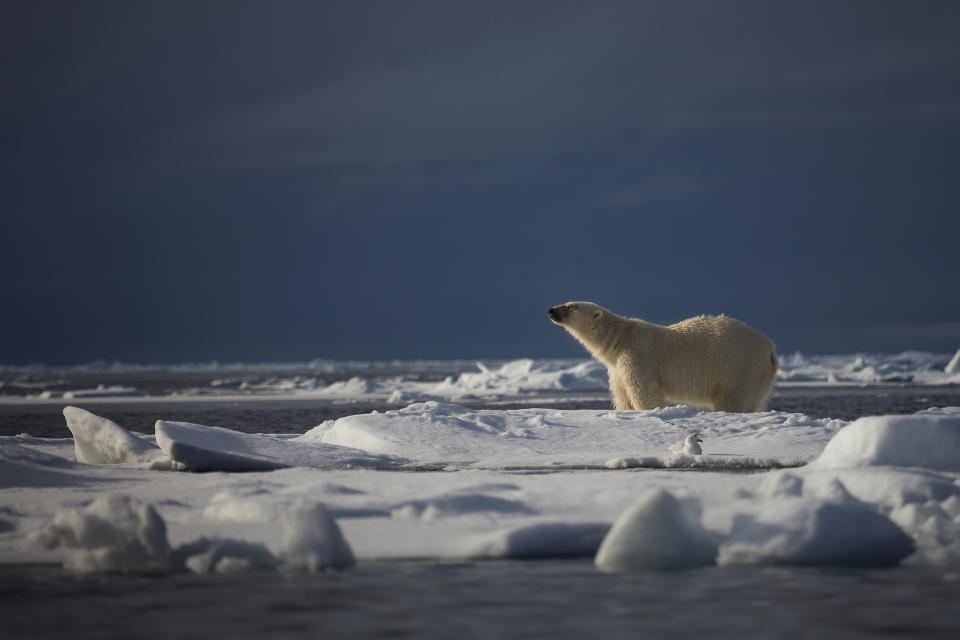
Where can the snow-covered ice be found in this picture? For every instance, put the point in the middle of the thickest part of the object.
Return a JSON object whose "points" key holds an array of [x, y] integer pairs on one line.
{"points": [[878, 491]]}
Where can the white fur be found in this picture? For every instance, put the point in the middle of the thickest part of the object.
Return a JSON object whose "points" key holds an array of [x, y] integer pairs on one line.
{"points": [[713, 362]]}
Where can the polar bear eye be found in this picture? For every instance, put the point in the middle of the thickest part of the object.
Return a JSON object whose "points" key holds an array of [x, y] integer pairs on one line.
{"points": [[597, 314]]}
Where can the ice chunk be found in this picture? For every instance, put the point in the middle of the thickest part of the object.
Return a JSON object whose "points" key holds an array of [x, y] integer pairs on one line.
{"points": [[780, 483], [917, 514], [953, 367], [835, 491], [223, 556], [659, 532], [543, 540], [312, 540], [202, 448], [892, 488], [101, 441], [458, 504], [113, 533], [814, 532], [930, 441]]}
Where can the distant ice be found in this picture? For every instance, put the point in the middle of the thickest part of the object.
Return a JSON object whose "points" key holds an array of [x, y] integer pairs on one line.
{"points": [[400, 383], [917, 367], [100, 391]]}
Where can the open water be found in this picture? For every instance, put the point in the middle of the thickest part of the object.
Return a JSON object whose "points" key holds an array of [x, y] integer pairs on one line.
{"points": [[500, 599]]}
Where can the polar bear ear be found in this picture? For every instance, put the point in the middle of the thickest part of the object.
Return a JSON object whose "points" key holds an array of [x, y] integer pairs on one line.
{"points": [[597, 314]]}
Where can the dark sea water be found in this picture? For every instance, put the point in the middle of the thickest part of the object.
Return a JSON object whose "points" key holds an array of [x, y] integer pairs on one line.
{"points": [[499, 599], [491, 599], [262, 414]]}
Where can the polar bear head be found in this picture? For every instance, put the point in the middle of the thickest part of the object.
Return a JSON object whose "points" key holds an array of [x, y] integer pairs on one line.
{"points": [[593, 326], [577, 317]]}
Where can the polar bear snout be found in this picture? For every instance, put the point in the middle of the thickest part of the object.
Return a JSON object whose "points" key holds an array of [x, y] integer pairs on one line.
{"points": [[558, 313]]}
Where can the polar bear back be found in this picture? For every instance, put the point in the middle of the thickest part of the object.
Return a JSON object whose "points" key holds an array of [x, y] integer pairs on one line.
{"points": [[717, 362]]}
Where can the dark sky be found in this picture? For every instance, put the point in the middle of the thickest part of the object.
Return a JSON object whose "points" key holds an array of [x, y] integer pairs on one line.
{"points": [[358, 180]]}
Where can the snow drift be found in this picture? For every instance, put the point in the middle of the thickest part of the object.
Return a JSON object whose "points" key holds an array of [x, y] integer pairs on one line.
{"points": [[929, 440]]}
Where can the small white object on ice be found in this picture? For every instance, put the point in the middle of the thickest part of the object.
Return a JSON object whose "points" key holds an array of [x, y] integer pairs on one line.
{"points": [[688, 446]]}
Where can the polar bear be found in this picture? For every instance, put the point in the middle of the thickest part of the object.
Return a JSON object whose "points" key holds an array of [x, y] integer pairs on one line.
{"points": [[712, 362]]}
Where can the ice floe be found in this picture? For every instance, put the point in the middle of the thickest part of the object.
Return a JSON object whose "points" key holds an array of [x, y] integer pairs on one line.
{"points": [[527, 483]]}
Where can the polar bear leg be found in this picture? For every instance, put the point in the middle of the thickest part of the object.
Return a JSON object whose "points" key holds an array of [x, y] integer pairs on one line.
{"points": [[619, 392], [646, 395]]}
